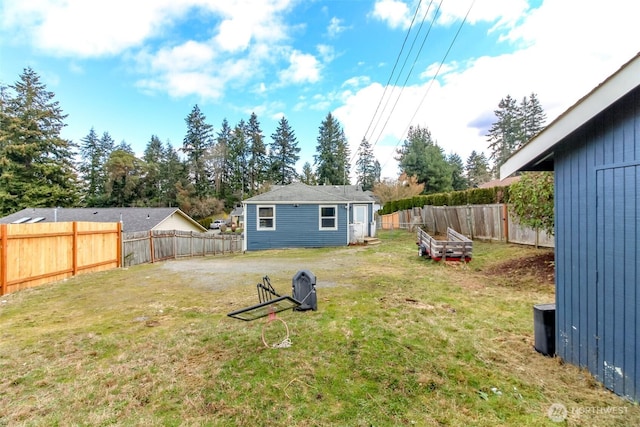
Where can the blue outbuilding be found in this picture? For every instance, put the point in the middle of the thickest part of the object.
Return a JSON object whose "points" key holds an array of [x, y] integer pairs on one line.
{"points": [[306, 216], [594, 150]]}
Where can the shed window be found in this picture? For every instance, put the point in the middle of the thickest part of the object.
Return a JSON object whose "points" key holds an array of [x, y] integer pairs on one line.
{"points": [[328, 217], [266, 217]]}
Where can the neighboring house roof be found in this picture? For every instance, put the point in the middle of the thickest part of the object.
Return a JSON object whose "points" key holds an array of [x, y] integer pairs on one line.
{"points": [[133, 219], [237, 211], [538, 153], [500, 182], [303, 193]]}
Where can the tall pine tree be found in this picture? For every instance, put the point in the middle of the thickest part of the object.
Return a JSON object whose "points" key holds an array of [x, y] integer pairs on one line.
{"points": [[222, 162], [505, 135], [516, 124], [532, 118], [257, 162], [239, 161], [477, 169], [36, 168], [366, 170], [420, 156], [458, 179], [308, 177], [196, 146], [332, 158], [153, 186], [283, 154]]}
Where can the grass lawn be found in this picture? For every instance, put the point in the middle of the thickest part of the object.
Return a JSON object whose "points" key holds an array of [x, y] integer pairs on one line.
{"points": [[397, 340]]}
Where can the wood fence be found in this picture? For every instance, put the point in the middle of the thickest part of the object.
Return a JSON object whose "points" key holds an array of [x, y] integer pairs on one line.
{"points": [[34, 254], [484, 222], [151, 246]]}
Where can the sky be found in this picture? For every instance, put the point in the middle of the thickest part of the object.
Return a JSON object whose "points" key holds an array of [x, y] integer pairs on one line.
{"points": [[136, 68]]}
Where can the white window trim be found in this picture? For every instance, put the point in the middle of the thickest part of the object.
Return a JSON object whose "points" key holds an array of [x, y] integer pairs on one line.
{"points": [[335, 217], [258, 218]]}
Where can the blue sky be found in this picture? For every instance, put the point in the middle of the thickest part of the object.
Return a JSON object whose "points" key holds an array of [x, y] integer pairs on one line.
{"points": [[136, 68]]}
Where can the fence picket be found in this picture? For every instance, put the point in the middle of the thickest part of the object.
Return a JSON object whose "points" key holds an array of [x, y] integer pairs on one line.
{"points": [[485, 222]]}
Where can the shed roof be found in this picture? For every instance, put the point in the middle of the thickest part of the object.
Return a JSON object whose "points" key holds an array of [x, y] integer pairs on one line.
{"points": [[133, 219], [538, 153], [303, 193]]}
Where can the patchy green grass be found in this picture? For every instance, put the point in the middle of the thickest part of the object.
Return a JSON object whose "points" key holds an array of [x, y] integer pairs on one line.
{"points": [[396, 340]]}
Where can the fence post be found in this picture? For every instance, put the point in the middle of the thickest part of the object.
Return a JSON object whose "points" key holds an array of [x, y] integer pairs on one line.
{"points": [[151, 248], [505, 219], [74, 248], [3, 261], [120, 240]]}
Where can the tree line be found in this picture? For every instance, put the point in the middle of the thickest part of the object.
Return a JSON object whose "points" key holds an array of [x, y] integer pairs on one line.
{"points": [[211, 171]]}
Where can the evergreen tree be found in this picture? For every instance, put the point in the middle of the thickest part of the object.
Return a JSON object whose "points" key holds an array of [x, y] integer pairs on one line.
{"points": [[532, 117], [420, 156], [124, 146], [125, 173], [94, 154], [477, 169], [174, 175], [458, 179], [153, 185], [332, 158], [36, 168], [505, 134], [515, 126], [238, 162], [366, 166], [257, 161], [90, 168], [283, 154], [308, 177], [197, 145], [221, 161]]}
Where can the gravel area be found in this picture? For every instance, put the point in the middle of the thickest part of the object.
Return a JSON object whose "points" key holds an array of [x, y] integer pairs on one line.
{"points": [[222, 272]]}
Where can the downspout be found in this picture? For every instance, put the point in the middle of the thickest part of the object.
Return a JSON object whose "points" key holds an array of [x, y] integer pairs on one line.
{"points": [[246, 227], [348, 223]]}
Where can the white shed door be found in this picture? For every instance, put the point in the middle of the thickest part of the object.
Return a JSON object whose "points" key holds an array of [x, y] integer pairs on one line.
{"points": [[360, 217]]}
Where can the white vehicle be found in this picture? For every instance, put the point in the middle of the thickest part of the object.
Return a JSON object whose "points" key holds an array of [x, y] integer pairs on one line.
{"points": [[215, 225]]}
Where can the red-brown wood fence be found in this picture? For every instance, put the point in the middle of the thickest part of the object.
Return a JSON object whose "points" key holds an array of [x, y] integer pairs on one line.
{"points": [[34, 254]]}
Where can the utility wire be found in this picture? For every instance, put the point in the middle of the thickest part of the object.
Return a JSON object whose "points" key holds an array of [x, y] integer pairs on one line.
{"points": [[394, 68], [424, 40], [373, 118], [434, 76]]}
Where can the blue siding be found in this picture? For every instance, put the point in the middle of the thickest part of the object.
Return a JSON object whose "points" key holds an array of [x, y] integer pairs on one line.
{"points": [[296, 227], [597, 247]]}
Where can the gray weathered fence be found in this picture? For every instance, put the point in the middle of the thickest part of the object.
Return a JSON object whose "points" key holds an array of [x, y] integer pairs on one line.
{"points": [[485, 222], [151, 246]]}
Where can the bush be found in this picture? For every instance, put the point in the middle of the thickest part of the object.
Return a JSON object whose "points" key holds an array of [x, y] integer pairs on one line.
{"points": [[474, 196]]}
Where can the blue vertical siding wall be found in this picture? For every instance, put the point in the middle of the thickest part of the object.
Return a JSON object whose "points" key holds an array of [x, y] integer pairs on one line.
{"points": [[296, 227], [597, 201]]}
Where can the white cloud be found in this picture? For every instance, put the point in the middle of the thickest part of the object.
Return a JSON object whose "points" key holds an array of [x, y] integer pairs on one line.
{"points": [[357, 81], [335, 27], [504, 12], [394, 12], [303, 68], [326, 52], [191, 55], [90, 28], [569, 48]]}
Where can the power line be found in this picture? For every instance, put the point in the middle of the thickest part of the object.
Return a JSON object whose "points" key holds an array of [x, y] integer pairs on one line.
{"points": [[435, 75], [424, 40], [394, 68]]}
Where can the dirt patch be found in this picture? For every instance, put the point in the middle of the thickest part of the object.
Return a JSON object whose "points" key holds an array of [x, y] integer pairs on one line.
{"points": [[222, 272], [539, 267]]}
